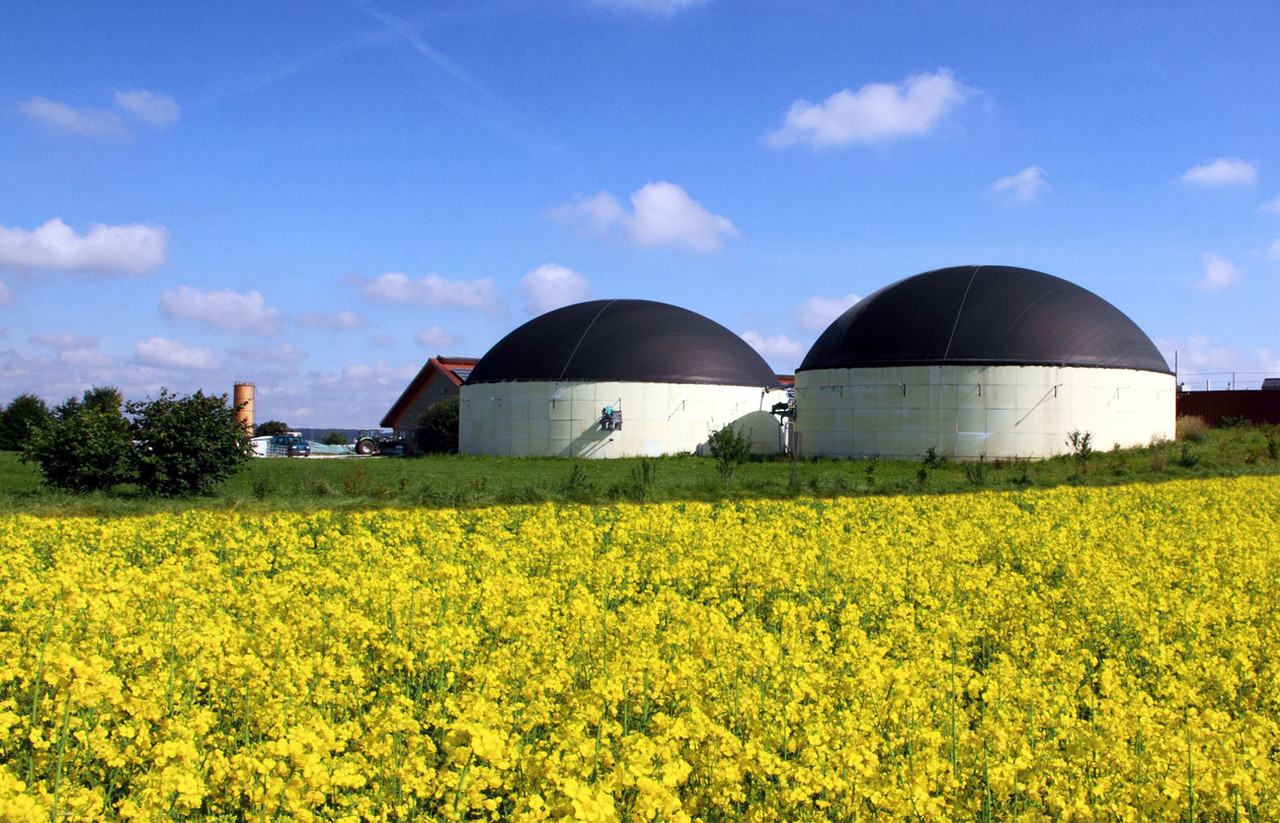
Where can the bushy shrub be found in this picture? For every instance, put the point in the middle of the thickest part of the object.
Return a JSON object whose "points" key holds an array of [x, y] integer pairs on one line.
{"points": [[437, 429], [24, 414], [187, 445], [730, 445], [271, 428], [1081, 445], [1191, 427], [335, 438], [85, 446]]}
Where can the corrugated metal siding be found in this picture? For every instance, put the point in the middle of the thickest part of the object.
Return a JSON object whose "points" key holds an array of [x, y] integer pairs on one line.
{"points": [[1212, 406]]}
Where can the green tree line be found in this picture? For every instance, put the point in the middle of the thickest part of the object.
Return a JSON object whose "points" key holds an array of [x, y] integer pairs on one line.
{"points": [[170, 445]]}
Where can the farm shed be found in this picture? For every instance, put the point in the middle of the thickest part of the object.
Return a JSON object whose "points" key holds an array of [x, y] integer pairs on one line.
{"points": [[980, 360], [439, 378], [616, 378], [1256, 406]]}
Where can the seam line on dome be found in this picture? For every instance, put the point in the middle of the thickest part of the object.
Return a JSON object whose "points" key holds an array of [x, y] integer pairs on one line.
{"points": [[947, 352], [578, 345]]}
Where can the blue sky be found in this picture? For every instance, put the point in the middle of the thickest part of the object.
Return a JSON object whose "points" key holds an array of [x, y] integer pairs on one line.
{"points": [[317, 197]]}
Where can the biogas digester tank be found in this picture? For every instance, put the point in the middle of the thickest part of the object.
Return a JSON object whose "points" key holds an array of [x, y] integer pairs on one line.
{"points": [[616, 378], [975, 361]]}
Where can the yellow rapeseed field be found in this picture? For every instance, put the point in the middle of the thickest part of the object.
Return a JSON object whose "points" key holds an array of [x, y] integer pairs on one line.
{"points": [[1071, 654]]}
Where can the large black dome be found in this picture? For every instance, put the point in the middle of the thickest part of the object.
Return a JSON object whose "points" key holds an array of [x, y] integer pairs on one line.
{"points": [[625, 340], [990, 315]]}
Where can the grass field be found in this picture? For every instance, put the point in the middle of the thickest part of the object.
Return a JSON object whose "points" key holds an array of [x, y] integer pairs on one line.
{"points": [[463, 481]]}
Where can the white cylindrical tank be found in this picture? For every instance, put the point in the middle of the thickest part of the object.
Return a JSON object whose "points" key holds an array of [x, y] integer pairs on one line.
{"points": [[981, 360], [967, 412], [569, 419], [616, 378]]}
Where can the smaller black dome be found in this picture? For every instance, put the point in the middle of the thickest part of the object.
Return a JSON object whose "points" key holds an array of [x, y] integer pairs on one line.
{"points": [[990, 315], [625, 340]]}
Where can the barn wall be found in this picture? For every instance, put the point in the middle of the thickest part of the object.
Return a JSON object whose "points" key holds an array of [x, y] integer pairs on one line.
{"points": [[1211, 406], [563, 419], [436, 388], [968, 411]]}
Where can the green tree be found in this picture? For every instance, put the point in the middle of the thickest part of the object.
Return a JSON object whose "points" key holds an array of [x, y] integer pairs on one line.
{"points": [[437, 429], [24, 414], [730, 445], [271, 428], [87, 446], [187, 445], [335, 438]]}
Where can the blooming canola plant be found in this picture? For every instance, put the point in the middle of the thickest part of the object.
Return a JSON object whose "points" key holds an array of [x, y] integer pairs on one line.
{"points": [[1047, 654]]}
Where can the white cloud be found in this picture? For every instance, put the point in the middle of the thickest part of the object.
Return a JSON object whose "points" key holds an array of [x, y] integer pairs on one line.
{"points": [[221, 308], [662, 214], [1223, 172], [1196, 354], [76, 350], [551, 286], [1272, 206], [156, 110], [1274, 251], [130, 249], [599, 213], [1219, 273], [436, 337], [1023, 186], [6, 296], [65, 341], [874, 113], [85, 358], [333, 321], [666, 216], [651, 6], [816, 313], [779, 347], [381, 373], [432, 291], [280, 353], [84, 122], [1266, 361], [382, 341], [161, 352], [153, 109], [1199, 359]]}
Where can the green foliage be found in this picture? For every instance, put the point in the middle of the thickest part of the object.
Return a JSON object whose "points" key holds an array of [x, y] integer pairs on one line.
{"points": [[437, 429], [24, 414], [335, 438], [576, 485], [87, 447], [730, 446], [976, 473], [187, 445], [271, 428], [1081, 444], [467, 481], [99, 398]]}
